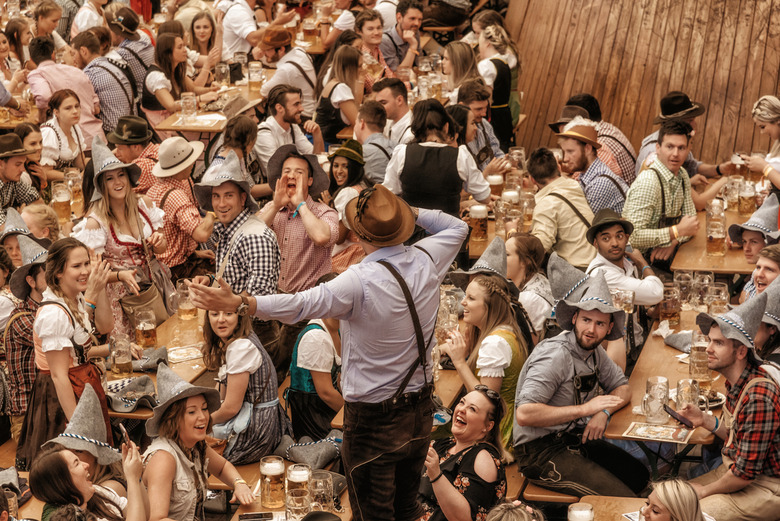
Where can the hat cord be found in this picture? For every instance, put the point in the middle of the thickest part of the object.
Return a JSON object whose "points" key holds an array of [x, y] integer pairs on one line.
{"points": [[362, 202], [84, 438]]}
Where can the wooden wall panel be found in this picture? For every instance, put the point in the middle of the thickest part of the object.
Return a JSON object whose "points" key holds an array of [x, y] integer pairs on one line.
{"points": [[628, 53]]}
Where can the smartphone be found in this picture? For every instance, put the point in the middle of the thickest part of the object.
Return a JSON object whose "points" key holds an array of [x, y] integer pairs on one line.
{"points": [[125, 437], [256, 516], [685, 421], [629, 248]]}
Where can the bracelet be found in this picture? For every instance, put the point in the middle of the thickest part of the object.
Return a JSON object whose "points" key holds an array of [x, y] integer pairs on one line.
{"points": [[238, 481], [717, 169], [436, 478], [297, 208], [91, 305], [717, 424], [89, 302], [642, 273], [675, 232], [609, 415], [767, 169], [325, 22]]}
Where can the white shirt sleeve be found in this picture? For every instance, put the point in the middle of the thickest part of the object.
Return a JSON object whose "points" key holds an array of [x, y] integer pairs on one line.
{"points": [[488, 71], [315, 351], [345, 22], [156, 215], [51, 147], [239, 22], [647, 292], [340, 203], [242, 357], [94, 239], [495, 355], [303, 145], [59, 41], [537, 308], [53, 327], [281, 77], [112, 497], [6, 308], [474, 181], [266, 143], [340, 94], [157, 80], [394, 168]]}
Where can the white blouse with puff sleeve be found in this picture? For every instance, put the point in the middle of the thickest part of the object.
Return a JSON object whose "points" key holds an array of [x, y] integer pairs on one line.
{"points": [[54, 328], [495, 355], [96, 239], [242, 356]]}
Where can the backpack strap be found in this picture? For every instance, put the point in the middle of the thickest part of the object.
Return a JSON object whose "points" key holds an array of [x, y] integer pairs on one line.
{"points": [[574, 209]]}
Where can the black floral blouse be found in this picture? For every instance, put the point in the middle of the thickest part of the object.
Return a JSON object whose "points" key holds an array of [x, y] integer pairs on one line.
{"points": [[458, 469]]}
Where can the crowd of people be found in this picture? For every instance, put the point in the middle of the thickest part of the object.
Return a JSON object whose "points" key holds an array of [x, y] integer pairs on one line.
{"points": [[321, 259]]}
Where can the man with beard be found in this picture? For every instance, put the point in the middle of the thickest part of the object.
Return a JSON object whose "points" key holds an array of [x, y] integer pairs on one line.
{"points": [[283, 126], [294, 66], [567, 393]]}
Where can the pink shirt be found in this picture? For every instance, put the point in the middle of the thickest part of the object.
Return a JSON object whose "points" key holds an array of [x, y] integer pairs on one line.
{"points": [[50, 77]]}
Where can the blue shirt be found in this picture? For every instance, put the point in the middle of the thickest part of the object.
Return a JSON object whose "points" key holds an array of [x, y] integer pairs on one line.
{"points": [[602, 192], [485, 134], [5, 96], [378, 343]]}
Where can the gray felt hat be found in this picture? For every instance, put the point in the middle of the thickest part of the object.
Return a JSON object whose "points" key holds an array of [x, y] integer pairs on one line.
{"points": [[593, 295], [740, 323], [565, 280], [763, 220], [320, 178], [86, 430], [170, 389], [492, 260], [127, 394], [104, 161], [772, 309], [32, 254], [228, 170], [15, 225]]}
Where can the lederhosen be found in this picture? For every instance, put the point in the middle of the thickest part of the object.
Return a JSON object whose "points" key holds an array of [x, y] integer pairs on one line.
{"points": [[329, 119], [665, 222], [45, 419], [500, 114]]}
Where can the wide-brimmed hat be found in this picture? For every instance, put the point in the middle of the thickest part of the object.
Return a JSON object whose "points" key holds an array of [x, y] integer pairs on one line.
{"points": [[130, 130], [32, 254], [124, 22], [238, 105], [128, 394], [320, 179], [677, 105], [86, 430], [104, 161], [582, 133], [568, 113], [228, 170], [170, 389], [763, 221], [15, 225], [177, 154], [275, 36], [492, 260], [594, 296], [772, 309], [740, 324], [351, 149], [565, 280], [379, 217], [11, 146], [605, 218]]}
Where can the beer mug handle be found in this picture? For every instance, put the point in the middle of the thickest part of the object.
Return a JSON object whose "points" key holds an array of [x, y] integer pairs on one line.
{"points": [[644, 407], [706, 407]]}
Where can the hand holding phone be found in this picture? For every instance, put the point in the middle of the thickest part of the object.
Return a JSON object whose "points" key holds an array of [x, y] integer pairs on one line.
{"points": [[674, 414], [125, 437]]}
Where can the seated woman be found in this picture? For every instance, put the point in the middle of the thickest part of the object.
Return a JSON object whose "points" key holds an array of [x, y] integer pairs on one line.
{"points": [[524, 258], [766, 116], [484, 18], [195, 61], [466, 126], [350, 38], [496, 349], [341, 95], [178, 462], [240, 136], [42, 221], [515, 511], [63, 141], [459, 63], [19, 35], [205, 38], [47, 16], [167, 79], [672, 500], [13, 74], [246, 378], [314, 397], [469, 462], [499, 59], [32, 139]]}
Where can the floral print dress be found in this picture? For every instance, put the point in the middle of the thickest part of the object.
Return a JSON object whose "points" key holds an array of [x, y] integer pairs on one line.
{"points": [[458, 469]]}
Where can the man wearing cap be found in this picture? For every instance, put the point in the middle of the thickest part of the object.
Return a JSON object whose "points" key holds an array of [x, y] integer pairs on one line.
{"points": [[387, 413], [133, 141], [484, 147], [283, 126], [677, 106], [568, 113], [27, 284], [400, 45], [137, 52], [747, 486], [13, 191], [567, 392], [173, 193], [603, 189], [660, 228], [294, 66]]}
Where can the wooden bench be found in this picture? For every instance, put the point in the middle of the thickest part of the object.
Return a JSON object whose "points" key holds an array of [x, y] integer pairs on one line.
{"points": [[527, 491]]}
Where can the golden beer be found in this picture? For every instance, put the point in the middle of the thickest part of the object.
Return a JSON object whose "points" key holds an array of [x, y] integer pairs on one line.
{"points": [[62, 209], [742, 169], [672, 315], [479, 225], [309, 32], [496, 183], [747, 205], [716, 245], [272, 482], [698, 369], [122, 369], [77, 201], [187, 311], [146, 335], [254, 85]]}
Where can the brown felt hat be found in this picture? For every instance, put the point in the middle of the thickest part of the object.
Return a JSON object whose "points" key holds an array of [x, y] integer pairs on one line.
{"points": [[582, 133], [124, 22], [379, 217], [677, 105], [11, 146], [275, 37], [568, 113]]}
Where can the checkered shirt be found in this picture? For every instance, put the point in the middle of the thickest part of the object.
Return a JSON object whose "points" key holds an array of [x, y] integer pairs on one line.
{"points": [[14, 195], [69, 10], [303, 262], [601, 192], [181, 218], [116, 99], [145, 50], [621, 148], [756, 446], [146, 161], [387, 73], [643, 205], [20, 354], [254, 261]]}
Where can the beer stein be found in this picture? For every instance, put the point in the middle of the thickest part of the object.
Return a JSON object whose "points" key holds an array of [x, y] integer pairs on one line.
{"points": [[60, 201], [221, 75], [756, 176], [499, 211], [73, 178], [496, 182], [256, 76], [528, 202], [241, 59], [716, 238], [653, 402], [580, 512], [145, 329], [321, 488], [688, 394], [670, 305], [697, 366], [272, 482], [740, 167], [189, 108], [298, 504], [309, 30], [747, 199], [121, 357], [187, 310], [298, 477], [479, 217], [623, 299], [683, 280]]}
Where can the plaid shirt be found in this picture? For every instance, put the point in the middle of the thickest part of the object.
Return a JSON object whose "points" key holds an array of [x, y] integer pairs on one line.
{"points": [[14, 195], [69, 10], [20, 353], [146, 161], [756, 446], [254, 261], [181, 218], [621, 148], [145, 51], [303, 262], [601, 192], [116, 99], [643, 205], [386, 73]]}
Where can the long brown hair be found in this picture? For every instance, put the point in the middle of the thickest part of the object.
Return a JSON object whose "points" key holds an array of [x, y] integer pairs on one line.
{"points": [[195, 44], [169, 428], [215, 348], [163, 57], [100, 473], [14, 31], [530, 251], [463, 62], [59, 252]]}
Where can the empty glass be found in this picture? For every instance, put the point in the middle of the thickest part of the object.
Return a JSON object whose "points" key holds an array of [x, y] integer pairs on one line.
{"points": [[298, 504], [688, 394], [189, 108], [683, 279], [657, 395], [321, 489]]}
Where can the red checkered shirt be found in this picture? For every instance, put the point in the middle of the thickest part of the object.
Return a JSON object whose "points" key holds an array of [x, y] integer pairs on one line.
{"points": [[20, 353], [756, 446], [303, 262], [370, 79], [621, 148], [181, 218], [146, 162]]}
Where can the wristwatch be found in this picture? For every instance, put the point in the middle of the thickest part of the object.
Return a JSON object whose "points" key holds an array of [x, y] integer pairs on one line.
{"points": [[243, 308]]}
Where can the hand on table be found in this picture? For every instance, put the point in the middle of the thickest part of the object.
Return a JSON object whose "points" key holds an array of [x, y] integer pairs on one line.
{"points": [[661, 254], [699, 180], [595, 428], [136, 351], [208, 97]]}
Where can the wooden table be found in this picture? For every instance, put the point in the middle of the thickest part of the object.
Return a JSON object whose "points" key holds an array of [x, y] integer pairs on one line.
{"points": [[477, 248], [10, 123], [693, 254], [608, 508]]}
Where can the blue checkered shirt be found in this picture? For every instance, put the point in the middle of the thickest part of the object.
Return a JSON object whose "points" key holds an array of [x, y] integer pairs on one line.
{"points": [[255, 260], [601, 192], [113, 89], [145, 51]]}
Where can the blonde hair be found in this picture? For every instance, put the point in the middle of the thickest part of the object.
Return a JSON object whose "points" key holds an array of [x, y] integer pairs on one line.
{"points": [[680, 499], [514, 512], [767, 110], [346, 65], [463, 62], [499, 39], [46, 218], [102, 207]]}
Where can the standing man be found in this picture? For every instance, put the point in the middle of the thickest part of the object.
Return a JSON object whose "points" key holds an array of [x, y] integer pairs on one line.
{"points": [[746, 486], [185, 10], [401, 45], [377, 149], [392, 94], [133, 141], [294, 66], [484, 147], [241, 30], [385, 381]]}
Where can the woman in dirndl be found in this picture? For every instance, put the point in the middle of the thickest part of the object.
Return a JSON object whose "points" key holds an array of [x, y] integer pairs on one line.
{"points": [[64, 343]]}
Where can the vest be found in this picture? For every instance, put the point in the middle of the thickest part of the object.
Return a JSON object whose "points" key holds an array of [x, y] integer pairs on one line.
{"points": [[148, 100], [430, 178], [329, 119], [502, 85]]}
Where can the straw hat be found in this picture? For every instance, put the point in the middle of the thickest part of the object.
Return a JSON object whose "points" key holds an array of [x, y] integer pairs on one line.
{"points": [[170, 389], [379, 217], [176, 154], [568, 113], [604, 218], [32, 254], [105, 161], [741, 323], [219, 173], [276, 162], [677, 105], [86, 430], [763, 220], [492, 260]]}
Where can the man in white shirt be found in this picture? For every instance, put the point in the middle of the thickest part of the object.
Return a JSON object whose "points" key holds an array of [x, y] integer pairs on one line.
{"points": [[283, 126], [293, 67], [392, 94], [241, 31]]}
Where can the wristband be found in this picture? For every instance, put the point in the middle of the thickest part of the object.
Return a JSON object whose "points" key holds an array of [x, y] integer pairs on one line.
{"points": [[297, 208], [238, 481], [609, 415], [717, 424], [434, 480], [675, 231], [767, 169], [643, 270], [717, 169], [90, 304]]}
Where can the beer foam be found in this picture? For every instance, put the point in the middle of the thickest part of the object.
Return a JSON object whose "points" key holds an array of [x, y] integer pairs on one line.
{"points": [[298, 475], [737, 160], [478, 211], [495, 179], [61, 197], [512, 196], [273, 468]]}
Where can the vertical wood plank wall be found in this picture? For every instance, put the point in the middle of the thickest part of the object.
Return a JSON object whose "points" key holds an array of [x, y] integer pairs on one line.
{"points": [[724, 54]]}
